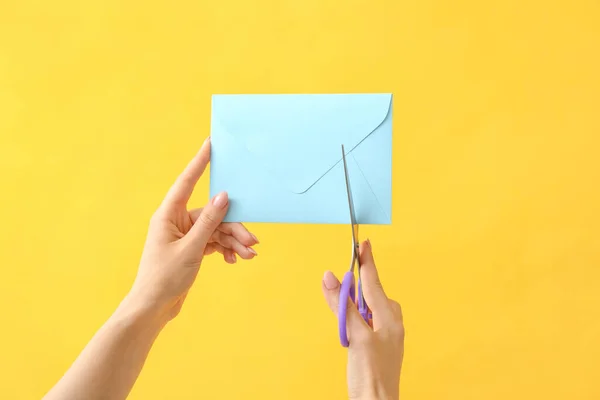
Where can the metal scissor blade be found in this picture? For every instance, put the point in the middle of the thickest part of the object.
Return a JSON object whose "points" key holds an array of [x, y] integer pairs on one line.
{"points": [[351, 206], [362, 306]]}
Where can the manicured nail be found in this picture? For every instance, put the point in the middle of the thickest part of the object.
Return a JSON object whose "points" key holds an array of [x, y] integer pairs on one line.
{"points": [[330, 281], [251, 250], [206, 141], [220, 200], [255, 238]]}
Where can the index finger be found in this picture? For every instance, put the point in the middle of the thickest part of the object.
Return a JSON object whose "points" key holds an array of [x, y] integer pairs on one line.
{"points": [[182, 189], [373, 291]]}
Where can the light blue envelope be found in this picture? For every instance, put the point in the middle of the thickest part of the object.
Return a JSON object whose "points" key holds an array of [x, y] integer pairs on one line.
{"points": [[279, 157]]}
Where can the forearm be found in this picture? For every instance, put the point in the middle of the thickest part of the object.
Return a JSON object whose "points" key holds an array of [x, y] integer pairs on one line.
{"points": [[109, 365]]}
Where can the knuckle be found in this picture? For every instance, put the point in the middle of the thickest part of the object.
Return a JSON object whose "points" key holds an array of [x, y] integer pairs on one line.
{"points": [[332, 303], [245, 239], [219, 238], [394, 305], [375, 287], [246, 255], [396, 309], [156, 218], [228, 241], [225, 241], [208, 219]]}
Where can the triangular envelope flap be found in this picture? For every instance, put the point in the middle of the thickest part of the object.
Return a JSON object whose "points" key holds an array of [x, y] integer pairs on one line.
{"points": [[299, 137]]}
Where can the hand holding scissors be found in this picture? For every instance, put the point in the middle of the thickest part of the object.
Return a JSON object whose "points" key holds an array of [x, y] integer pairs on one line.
{"points": [[373, 329]]}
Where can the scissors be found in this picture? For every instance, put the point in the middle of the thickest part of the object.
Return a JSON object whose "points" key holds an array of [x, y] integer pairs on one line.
{"points": [[348, 288]]}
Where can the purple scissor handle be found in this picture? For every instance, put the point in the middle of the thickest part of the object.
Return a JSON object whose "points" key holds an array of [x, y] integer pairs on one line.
{"points": [[348, 289]]}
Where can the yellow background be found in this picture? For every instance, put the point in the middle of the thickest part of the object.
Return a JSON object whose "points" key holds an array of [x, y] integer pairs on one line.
{"points": [[495, 242]]}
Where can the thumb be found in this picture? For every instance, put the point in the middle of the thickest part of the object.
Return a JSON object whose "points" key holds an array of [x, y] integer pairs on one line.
{"points": [[209, 219]]}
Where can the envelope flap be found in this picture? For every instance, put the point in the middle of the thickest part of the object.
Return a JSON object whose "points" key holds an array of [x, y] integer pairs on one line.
{"points": [[299, 137]]}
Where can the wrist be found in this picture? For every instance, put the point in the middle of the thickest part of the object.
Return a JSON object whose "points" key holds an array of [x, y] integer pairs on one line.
{"points": [[151, 303], [375, 396], [135, 312], [375, 392]]}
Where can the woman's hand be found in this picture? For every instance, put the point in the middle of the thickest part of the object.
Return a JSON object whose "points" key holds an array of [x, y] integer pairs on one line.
{"points": [[179, 238], [375, 354], [177, 241]]}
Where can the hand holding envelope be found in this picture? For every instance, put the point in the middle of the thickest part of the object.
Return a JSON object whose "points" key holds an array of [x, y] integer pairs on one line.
{"points": [[278, 157]]}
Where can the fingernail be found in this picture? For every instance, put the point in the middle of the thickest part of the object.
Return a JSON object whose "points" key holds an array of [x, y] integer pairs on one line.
{"points": [[220, 200], [369, 243], [255, 238], [251, 250], [330, 281], [204, 144], [233, 258]]}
